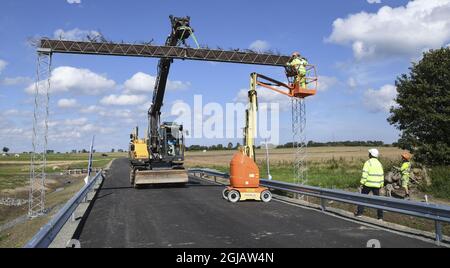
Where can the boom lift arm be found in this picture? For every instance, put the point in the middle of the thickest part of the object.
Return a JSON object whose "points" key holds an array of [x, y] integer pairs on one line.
{"points": [[244, 172], [293, 91]]}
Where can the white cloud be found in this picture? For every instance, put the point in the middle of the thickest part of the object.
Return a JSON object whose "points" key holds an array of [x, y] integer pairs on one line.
{"points": [[178, 85], [401, 31], [326, 82], [13, 81], [374, 1], [259, 45], [76, 122], [11, 112], [381, 100], [74, 1], [75, 34], [142, 82], [93, 109], [352, 83], [94, 128], [123, 100], [67, 103], [2, 65], [144, 107], [70, 79]]}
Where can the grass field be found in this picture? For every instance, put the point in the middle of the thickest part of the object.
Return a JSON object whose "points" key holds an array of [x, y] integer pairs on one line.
{"points": [[330, 167], [14, 172], [14, 180], [21, 233]]}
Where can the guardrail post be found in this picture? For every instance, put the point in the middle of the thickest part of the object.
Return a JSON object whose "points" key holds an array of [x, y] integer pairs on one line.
{"points": [[323, 202], [438, 225]]}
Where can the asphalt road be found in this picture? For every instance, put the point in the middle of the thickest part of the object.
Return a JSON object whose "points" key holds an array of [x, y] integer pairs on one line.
{"points": [[198, 217]]}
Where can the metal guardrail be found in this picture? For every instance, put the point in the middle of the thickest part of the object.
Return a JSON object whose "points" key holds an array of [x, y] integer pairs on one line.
{"points": [[47, 234], [81, 171], [437, 213]]}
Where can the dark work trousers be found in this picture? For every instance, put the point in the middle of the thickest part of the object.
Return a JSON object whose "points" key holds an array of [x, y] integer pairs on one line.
{"points": [[366, 190]]}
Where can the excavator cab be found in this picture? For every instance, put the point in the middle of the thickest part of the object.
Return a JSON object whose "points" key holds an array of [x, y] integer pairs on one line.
{"points": [[172, 138]]}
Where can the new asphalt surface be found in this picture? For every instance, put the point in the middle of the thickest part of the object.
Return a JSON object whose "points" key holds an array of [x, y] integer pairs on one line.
{"points": [[196, 216]]}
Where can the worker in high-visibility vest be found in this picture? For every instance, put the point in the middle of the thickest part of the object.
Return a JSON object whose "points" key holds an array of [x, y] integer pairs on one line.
{"points": [[372, 179], [299, 64], [406, 172]]}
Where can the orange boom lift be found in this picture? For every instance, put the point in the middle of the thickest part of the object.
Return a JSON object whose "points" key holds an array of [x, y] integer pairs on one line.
{"points": [[244, 172]]}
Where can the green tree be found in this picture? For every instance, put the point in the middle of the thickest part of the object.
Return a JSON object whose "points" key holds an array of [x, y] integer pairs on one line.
{"points": [[423, 111], [230, 146]]}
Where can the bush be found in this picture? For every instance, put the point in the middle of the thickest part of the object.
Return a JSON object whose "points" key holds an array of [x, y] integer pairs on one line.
{"points": [[440, 182]]}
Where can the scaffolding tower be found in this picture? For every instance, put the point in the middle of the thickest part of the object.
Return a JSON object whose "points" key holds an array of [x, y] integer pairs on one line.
{"points": [[299, 140], [40, 134]]}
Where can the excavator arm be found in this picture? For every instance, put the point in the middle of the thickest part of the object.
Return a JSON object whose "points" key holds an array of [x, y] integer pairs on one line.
{"points": [[181, 31]]}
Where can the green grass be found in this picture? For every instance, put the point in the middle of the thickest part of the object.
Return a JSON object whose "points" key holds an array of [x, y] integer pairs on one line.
{"points": [[334, 173], [345, 174], [13, 176], [14, 172], [440, 182], [63, 157]]}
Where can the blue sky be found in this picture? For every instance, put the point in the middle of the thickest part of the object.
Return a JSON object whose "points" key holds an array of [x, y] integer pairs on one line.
{"points": [[359, 47]]}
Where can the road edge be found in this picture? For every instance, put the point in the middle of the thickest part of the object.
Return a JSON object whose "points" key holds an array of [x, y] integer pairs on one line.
{"points": [[64, 239]]}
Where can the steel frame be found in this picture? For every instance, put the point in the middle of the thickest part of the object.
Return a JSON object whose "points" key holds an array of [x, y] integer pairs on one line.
{"points": [[147, 50], [36, 205]]}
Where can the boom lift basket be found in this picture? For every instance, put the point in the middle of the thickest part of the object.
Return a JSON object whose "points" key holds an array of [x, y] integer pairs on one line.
{"points": [[311, 82], [294, 88]]}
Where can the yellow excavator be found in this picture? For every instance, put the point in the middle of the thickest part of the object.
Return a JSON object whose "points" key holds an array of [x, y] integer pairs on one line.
{"points": [[166, 167], [159, 157]]}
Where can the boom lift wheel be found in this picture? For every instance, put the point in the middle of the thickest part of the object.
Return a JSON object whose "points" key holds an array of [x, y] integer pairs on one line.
{"points": [[132, 175], [266, 196], [225, 194], [234, 196]]}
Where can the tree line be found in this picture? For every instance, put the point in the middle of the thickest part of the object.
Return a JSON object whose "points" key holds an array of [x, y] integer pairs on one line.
{"points": [[231, 146]]}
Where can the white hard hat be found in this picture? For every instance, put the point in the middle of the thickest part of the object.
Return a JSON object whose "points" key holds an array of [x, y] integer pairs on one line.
{"points": [[374, 152]]}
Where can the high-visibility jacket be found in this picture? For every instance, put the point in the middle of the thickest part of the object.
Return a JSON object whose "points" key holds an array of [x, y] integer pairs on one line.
{"points": [[295, 62], [299, 65], [302, 68], [406, 170], [373, 174]]}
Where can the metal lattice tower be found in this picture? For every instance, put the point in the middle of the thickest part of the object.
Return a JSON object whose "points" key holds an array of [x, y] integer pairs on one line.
{"points": [[40, 135], [299, 140]]}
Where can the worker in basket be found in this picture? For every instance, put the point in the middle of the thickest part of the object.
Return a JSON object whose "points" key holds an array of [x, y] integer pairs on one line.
{"points": [[297, 67]]}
